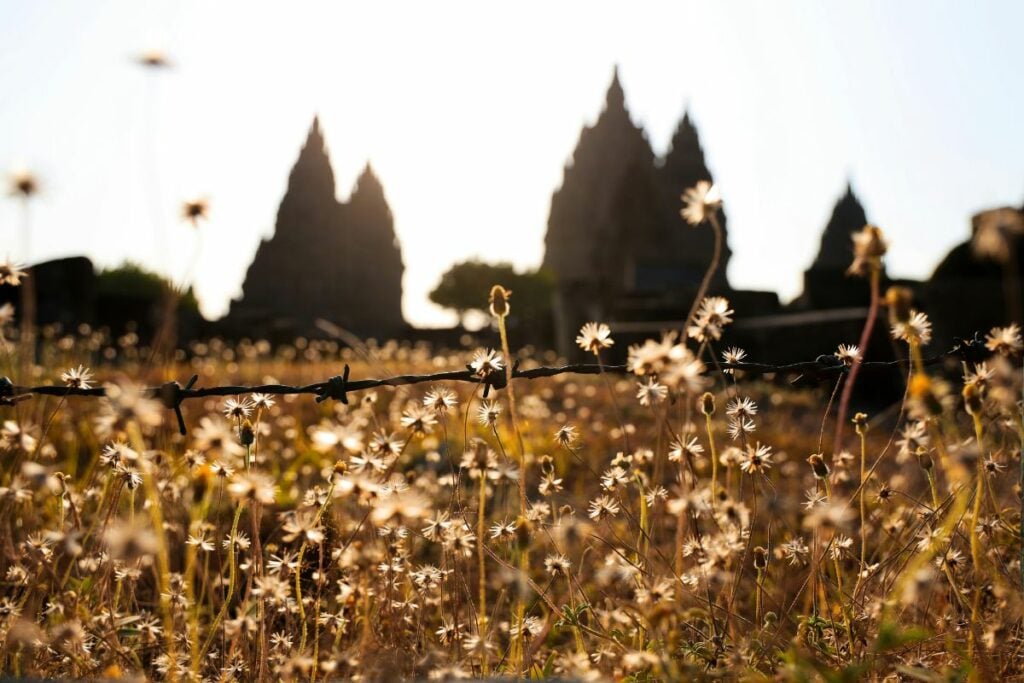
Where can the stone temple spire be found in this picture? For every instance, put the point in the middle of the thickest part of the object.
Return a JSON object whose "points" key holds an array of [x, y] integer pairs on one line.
{"points": [[607, 191], [615, 98], [312, 173], [377, 255], [826, 284], [608, 194], [586, 209], [836, 251], [684, 165], [367, 186], [326, 260]]}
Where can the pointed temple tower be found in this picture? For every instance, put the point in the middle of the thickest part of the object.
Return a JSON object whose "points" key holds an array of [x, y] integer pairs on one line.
{"points": [[616, 243], [338, 262], [682, 168], [848, 217], [608, 197], [826, 284], [373, 260]]}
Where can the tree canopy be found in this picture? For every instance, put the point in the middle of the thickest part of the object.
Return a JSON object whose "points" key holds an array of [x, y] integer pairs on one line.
{"points": [[465, 286], [131, 279]]}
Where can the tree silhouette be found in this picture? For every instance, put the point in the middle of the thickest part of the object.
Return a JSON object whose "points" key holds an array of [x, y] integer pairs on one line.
{"points": [[464, 286]]}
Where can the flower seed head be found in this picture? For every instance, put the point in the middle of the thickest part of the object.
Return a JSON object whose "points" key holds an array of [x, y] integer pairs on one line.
{"points": [[22, 183], [760, 557], [707, 403], [924, 459], [972, 398], [195, 210], [524, 532], [246, 434], [499, 301], [818, 465], [899, 301], [869, 247]]}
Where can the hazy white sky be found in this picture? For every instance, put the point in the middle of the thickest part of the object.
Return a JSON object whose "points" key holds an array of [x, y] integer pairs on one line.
{"points": [[468, 112]]}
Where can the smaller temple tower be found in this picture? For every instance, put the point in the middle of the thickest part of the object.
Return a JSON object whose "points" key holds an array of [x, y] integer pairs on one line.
{"points": [[326, 260], [826, 284], [373, 258], [683, 167]]}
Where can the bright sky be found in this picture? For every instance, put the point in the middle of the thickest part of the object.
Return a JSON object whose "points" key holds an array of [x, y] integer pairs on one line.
{"points": [[468, 112]]}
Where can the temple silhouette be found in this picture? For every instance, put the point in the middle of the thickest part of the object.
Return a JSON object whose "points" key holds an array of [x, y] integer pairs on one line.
{"points": [[966, 292], [615, 241], [327, 260], [826, 284], [616, 247]]}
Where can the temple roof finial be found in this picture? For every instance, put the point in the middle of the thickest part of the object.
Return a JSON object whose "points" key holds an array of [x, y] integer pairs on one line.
{"points": [[616, 98]]}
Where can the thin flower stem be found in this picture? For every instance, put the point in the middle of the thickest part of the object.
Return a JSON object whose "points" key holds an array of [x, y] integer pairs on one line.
{"points": [[976, 553], [316, 621], [839, 580], [643, 542], [28, 295], [714, 460], [828, 410], [513, 414], [614, 400], [231, 582], [481, 530], [863, 502], [933, 488], [705, 282], [298, 566], [734, 590], [256, 515], [757, 595], [865, 339], [163, 560], [1020, 483], [519, 645]]}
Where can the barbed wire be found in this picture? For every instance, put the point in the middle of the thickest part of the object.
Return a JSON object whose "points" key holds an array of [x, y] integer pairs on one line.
{"points": [[172, 394]]}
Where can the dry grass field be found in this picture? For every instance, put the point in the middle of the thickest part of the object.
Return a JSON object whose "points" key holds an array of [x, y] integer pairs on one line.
{"points": [[679, 521]]}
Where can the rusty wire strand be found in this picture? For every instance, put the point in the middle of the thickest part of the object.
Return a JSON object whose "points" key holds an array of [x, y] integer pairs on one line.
{"points": [[172, 394]]}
